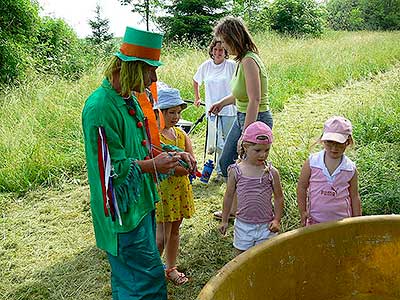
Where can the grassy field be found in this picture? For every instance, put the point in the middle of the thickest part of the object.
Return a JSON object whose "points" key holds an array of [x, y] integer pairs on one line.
{"points": [[47, 248]]}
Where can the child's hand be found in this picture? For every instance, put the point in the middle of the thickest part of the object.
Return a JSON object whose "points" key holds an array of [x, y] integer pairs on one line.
{"points": [[223, 227], [274, 226], [303, 218]]}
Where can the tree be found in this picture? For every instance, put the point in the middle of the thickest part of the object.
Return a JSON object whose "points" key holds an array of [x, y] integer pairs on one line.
{"points": [[364, 14], [146, 8], [297, 17], [344, 15], [100, 28], [31, 43], [192, 19], [255, 13]]}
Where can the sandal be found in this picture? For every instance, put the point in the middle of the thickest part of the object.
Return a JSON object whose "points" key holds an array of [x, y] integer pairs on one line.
{"points": [[218, 215], [178, 279]]}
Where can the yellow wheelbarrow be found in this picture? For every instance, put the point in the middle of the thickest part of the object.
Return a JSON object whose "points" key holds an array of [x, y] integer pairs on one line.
{"points": [[356, 258]]}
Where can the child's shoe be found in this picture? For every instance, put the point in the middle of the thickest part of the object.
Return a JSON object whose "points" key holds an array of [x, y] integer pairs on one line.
{"points": [[176, 277]]}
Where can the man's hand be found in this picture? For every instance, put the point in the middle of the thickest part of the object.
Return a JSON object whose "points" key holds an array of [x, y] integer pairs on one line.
{"points": [[166, 161]]}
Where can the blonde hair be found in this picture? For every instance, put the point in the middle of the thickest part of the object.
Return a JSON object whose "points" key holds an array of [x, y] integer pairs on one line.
{"points": [[235, 33], [242, 150], [131, 74]]}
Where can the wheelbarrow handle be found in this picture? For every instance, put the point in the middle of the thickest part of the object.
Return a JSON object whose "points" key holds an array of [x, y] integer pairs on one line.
{"points": [[199, 120], [192, 102]]}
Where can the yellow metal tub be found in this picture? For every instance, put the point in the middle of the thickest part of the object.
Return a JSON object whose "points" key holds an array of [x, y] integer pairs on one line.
{"points": [[356, 258]]}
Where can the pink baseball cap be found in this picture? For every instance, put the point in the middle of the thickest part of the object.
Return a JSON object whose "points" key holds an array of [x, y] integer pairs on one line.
{"points": [[258, 133], [337, 129]]}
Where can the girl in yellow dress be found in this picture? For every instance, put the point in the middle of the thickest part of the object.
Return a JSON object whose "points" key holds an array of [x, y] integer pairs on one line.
{"points": [[176, 196]]}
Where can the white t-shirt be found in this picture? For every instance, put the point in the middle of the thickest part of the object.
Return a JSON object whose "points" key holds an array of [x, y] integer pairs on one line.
{"points": [[217, 80]]}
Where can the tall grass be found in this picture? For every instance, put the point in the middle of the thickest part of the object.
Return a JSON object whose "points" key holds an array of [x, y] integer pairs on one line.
{"points": [[41, 139], [40, 131], [298, 66]]}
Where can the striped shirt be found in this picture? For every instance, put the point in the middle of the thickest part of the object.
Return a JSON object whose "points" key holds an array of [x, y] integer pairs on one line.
{"points": [[254, 197]]}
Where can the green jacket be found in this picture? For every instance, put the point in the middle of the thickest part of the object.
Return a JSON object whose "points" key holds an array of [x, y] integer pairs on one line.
{"points": [[135, 192]]}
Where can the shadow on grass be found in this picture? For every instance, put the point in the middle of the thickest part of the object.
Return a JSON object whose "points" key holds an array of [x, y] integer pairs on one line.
{"points": [[85, 276], [203, 250]]}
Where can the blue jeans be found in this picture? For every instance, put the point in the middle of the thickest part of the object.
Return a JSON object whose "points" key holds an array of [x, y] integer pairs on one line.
{"points": [[229, 153]]}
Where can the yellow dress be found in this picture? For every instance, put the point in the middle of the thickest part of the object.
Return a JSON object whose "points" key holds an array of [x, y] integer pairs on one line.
{"points": [[176, 195]]}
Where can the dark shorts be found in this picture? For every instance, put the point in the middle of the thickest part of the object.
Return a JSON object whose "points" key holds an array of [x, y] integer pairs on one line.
{"points": [[137, 271]]}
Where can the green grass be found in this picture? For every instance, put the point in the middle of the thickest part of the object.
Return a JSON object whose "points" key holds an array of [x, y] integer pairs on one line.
{"points": [[47, 248]]}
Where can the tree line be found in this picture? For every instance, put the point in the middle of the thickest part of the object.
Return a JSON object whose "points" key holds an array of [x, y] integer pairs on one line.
{"points": [[29, 42]]}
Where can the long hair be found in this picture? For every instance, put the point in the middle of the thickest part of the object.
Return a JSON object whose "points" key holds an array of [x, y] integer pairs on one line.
{"points": [[131, 74], [235, 33], [213, 43]]}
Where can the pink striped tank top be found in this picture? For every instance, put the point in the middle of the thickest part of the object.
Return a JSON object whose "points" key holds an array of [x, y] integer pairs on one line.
{"points": [[254, 197]]}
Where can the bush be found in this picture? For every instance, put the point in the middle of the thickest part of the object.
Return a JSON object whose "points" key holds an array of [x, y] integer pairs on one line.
{"points": [[42, 44], [14, 60], [18, 26], [58, 49], [297, 17]]}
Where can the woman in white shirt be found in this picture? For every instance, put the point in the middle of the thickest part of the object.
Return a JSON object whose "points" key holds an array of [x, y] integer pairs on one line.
{"points": [[216, 73]]}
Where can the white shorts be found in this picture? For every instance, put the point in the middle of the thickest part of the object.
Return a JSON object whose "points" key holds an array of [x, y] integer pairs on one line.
{"points": [[247, 235]]}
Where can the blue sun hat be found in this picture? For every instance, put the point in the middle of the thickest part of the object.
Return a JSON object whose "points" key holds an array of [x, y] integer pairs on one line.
{"points": [[168, 98]]}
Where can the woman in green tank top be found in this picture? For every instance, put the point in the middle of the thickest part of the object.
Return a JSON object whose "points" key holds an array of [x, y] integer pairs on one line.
{"points": [[249, 87]]}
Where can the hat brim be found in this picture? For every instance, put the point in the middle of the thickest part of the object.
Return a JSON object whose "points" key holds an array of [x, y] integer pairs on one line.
{"points": [[334, 136], [123, 57], [162, 107]]}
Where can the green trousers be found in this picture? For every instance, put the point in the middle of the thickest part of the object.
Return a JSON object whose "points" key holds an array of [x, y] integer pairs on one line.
{"points": [[137, 271]]}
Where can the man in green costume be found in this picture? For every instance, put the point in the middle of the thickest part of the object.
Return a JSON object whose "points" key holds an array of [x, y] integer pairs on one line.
{"points": [[121, 169]]}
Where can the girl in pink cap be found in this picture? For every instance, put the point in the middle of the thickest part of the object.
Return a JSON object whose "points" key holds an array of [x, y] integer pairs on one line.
{"points": [[255, 182], [328, 185]]}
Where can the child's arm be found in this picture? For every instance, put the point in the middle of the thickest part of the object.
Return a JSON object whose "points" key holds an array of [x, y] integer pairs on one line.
{"points": [[302, 186], [275, 226], [228, 199], [355, 196], [181, 171]]}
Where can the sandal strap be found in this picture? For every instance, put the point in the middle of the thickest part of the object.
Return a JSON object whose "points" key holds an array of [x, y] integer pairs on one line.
{"points": [[180, 277], [168, 271]]}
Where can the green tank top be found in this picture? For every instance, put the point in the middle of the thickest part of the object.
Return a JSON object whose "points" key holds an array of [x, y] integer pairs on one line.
{"points": [[238, 85]]}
